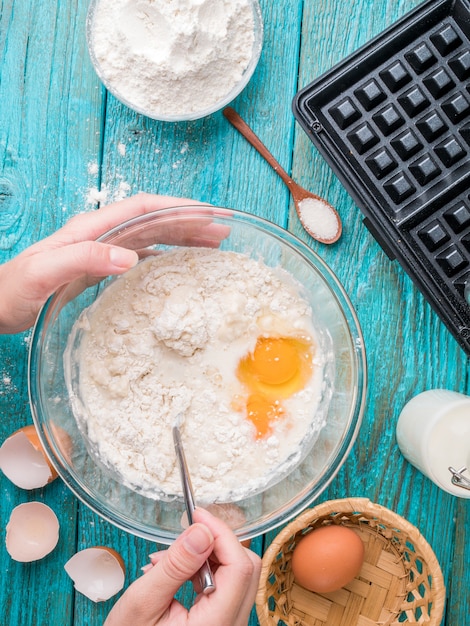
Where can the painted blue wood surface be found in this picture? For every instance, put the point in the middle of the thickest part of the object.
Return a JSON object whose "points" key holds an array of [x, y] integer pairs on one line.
{"points": [[61, 135]]}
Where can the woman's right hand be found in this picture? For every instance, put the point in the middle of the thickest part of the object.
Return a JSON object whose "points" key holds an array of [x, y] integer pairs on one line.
{"points": [[150, 600]]}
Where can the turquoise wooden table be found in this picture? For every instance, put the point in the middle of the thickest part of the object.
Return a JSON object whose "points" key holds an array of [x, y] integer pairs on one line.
{"points": [[62, 137]]}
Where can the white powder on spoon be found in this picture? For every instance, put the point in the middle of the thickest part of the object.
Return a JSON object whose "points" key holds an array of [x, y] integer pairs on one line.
{"points": [[172, 57], [318, 218]]}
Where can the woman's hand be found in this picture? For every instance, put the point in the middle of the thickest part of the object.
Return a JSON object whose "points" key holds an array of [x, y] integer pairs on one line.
{"points": [[150, 601], [71, 253]]}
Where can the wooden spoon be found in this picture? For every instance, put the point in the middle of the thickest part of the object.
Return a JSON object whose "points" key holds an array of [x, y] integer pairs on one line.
{"points": [[316, 215]]}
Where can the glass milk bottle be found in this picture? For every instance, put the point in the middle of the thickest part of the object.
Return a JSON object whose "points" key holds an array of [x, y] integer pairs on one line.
{"points": [[433, 434]]}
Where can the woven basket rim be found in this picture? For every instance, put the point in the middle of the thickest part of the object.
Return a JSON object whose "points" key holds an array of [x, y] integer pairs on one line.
{"points": [[369, 509]]}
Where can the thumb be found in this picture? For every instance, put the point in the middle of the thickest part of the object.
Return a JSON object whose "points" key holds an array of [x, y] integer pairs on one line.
{"points": [[56, 267], [182, 561], [152, 596]]}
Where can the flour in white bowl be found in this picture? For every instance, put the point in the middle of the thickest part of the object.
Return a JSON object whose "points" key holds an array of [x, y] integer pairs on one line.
{"points": [[162, 343], [172, 57]]}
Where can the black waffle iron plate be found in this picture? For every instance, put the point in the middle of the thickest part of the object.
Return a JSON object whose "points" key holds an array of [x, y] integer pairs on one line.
{"points": [[393, 122]]}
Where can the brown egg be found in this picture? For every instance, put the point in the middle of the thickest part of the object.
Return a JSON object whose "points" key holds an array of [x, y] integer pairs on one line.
{"points": [[327, 558]]}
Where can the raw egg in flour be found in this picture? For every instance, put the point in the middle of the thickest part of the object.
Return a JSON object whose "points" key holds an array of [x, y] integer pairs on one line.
{"points": [[327, 558], [277, 368]]}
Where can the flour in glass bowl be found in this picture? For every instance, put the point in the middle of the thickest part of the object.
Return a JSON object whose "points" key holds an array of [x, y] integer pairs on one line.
{"points": [[171, 58], [163, 343]]}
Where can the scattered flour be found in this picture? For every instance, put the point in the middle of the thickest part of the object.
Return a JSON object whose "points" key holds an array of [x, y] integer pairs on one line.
{"points": [[105, 195], [6, 383], [97, 196], [172, 57], [93, 168], [165, 340]]}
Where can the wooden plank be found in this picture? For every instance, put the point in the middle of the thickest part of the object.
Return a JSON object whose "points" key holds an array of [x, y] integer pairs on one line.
{"points": [[49, 117], [459, 580], [409, 349], [39, 592]]}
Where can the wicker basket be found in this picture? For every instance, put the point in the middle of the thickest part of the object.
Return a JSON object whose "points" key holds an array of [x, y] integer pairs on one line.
{"points": [[400, 581]]}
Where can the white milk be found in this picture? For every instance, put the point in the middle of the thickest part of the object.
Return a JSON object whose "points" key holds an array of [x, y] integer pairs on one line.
{"points": [[433, 433]]}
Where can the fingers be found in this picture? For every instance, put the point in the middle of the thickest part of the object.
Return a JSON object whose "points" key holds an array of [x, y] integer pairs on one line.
{"points": [[194, 231], [183, 559], [152, 596], [49, 270], [249, 597], [72, 253], [29, 279], [93, 224], [237, 574], [150, 600]]}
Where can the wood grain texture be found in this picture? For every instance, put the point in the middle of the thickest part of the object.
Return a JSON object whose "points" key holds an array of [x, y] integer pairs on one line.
{"points": [[49, 108], [409, 349], [62, 136]]}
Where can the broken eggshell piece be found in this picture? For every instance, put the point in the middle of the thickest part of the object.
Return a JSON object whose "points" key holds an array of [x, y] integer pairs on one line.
{"points": [[98, 573], [23, 460], [32, 532]]}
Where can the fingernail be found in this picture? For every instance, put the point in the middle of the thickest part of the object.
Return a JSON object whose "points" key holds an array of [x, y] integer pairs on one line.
{"points": [[122, 257], [154, 554], [198, 539], [146, 568]]}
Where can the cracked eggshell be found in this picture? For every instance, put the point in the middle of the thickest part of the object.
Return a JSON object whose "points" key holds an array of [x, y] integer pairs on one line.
{"points": [[63, 441], [98, 573], [23, 460], [32, 532]]}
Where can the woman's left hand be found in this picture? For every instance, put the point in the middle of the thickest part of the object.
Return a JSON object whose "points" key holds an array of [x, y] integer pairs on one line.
{"points": [[27, 281]]}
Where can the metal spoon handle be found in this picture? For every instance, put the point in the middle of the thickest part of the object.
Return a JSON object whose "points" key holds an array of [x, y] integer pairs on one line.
{"points": [[205, 576]]}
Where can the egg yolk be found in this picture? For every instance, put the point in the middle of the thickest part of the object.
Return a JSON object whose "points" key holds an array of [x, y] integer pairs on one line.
{"points": [[262, 412], [275, 360], [277, 368]]}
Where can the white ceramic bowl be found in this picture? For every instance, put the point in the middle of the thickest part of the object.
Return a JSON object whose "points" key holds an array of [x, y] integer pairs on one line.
{"points": [[344, 379], [112, 82]]}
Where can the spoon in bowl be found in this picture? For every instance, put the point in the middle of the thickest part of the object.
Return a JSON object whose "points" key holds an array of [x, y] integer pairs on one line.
{"points": [[206, 578], [316, 215]]}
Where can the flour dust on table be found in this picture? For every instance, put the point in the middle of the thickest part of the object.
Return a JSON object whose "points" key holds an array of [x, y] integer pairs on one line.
{"points": [[215, 339]]}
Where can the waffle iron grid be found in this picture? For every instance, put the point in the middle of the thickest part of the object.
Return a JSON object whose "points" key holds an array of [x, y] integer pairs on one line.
{"points": [[393, 122]]}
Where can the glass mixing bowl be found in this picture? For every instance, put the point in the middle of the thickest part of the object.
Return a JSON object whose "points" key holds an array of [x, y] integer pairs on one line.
{"points": [[342, 401], [112, 81]]}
